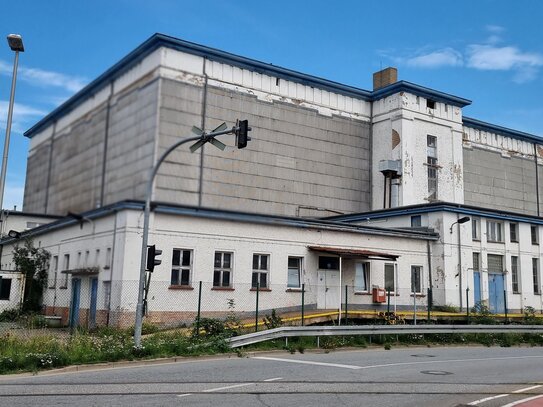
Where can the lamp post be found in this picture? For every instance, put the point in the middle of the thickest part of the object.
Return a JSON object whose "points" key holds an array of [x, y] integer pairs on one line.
{"points": [[15, 42]]}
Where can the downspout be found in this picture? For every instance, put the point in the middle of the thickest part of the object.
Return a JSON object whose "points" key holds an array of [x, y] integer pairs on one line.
{"points": [[340, 299], [396, 289], [111, 266], [203, 126], [106, 137], [49, 170], [429, 265], [371, 155], [536, 179], [460, 291]]}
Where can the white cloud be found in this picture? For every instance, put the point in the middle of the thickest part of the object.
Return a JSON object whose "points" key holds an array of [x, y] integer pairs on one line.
{"points": [[436, 59], [488, 57], [40, 77], [21, 114]]}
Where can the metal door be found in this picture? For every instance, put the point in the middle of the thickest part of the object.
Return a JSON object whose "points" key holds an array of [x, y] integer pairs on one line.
{"points": [[93, 301], [74, 306], [476, 287], [496, 302], [329, 289]]}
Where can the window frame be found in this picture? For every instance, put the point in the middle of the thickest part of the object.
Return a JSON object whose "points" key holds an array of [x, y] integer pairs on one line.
{"points": [[515, 275], [221, 269], [536, 279], [416, 221], [419, 269], [534, 234], [299, 270], [180, 268], [501, 256], [260, 271], [393, 291], [65, 268], [490, 237], [366, 272], [513, 237], [433, 167], [3, 290], [54, 270]]}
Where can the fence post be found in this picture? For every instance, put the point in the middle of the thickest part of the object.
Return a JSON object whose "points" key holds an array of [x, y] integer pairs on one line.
{"points": [[388, 303], [346, 303], [256, 313], [429, 303], [505, 305], [303, 302], [199, 309], [467, 303], [414, 307]]}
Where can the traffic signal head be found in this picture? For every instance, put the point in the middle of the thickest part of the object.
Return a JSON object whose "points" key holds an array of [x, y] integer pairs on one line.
{"points": [[242, 129], [152, 254]]}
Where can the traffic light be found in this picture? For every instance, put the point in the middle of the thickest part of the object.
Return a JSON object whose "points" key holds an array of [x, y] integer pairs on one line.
{"points": [[242, 129], [152, 254]]}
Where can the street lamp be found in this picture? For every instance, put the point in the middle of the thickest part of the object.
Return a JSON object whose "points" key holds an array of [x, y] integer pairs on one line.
{"points": [[15, 42], [460, 221]]}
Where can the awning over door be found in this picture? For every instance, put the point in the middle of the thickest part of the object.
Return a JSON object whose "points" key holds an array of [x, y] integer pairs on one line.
{"points": [[354, 253]]}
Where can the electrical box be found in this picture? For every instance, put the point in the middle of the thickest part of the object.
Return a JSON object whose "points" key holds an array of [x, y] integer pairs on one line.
{"points": [[379, 295]]}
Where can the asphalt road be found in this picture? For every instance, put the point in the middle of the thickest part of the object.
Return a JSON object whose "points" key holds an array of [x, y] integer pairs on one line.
{"points": [[419, 377]]}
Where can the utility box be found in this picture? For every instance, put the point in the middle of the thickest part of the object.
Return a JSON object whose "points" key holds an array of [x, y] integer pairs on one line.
{"points": [[379, 295]]}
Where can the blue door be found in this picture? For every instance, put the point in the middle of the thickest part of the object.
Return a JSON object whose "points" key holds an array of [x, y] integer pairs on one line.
{"points": [[93, 300], [476, 287], [74, 306], [495, 293]]}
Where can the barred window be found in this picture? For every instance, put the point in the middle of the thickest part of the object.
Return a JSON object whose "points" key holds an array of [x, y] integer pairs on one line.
{"points": [[222, 273], [260, 271], [181, 267], [495, 263], [514, 274]]}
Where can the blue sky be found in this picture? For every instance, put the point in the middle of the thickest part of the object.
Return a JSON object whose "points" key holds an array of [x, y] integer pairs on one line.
{"points": [[488, 51]]}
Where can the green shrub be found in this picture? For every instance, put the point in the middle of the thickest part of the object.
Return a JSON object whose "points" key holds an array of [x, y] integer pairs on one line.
{"points": [[273, 320]]}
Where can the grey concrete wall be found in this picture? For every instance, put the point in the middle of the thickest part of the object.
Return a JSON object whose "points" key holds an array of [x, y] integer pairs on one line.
{"points": [[297, 157], [494, 181], [78, 152]]}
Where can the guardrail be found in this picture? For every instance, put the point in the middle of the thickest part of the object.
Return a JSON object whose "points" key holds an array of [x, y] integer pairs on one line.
{"points": [[290, 331]]}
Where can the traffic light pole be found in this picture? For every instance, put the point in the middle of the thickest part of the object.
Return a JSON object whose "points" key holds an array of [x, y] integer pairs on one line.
{"points": [[147, 211]]}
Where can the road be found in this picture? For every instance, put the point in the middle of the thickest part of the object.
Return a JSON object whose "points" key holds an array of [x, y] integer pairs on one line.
{"points": [[437, 376]]}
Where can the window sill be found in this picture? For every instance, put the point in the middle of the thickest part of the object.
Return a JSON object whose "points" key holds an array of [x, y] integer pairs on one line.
{"points": [[180, 287], [516, 293], [418, 295], [52, 287], [293, 290], [64, 287], [476, 240], [495, 241], [260, 289], [362, 293], [222, 288]]}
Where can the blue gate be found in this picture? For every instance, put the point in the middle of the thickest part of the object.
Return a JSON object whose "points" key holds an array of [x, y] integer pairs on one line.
{"points": [[496, 302], [476, 287], [74, 306]]}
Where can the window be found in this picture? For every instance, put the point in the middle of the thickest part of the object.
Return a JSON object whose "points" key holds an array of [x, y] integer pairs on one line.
{"points": [[416, 221], [493, 231], [495, 263], [5, 288], [65, 268], [294, 272], [431, 162], [97, 257], [535, 276], [54, 271], [430, 104], [389, 277], [181, 267], [476, 261], [535, 234], [260, 271], [514, 274], [108, 258], [328, 263], [362, 277], [222, 271], [513, 232], [107, 294], [416, 279], [475, 229]]}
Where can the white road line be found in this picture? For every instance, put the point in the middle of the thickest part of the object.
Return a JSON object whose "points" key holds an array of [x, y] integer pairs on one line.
{"points": [[184, 395], [273, 379], [307, 362], [227, 387], [499, 396], [516, 403]]}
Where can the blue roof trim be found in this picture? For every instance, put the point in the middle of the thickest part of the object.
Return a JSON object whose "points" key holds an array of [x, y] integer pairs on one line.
{"points": [[439, 207], [404, 86], [160, 40], [208, 213], [504, 131]]}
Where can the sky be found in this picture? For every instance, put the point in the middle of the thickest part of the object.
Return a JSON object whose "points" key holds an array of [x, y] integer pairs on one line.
{"points": [[488, 51]]}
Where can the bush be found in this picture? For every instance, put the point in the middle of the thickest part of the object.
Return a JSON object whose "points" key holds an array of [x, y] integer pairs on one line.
{"points": [[273, 320], [482, 314], [10, 315]]}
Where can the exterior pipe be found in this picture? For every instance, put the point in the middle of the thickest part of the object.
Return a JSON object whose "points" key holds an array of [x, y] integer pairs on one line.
{"points": [[459, 263], [536, 179]]}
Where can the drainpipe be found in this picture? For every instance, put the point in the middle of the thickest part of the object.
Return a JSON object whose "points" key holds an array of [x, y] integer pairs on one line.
{"points": [[371, 155], [536, 179], [396, 289], [203, 126], [340, 299], [459, 261], [394, 192], [429, 255]]}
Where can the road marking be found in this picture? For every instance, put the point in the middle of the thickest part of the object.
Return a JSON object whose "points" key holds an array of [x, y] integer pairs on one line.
{"points": [[499, 396], [184, 395], [227, 387], [516, 403], [273, 379], [307, 362]]}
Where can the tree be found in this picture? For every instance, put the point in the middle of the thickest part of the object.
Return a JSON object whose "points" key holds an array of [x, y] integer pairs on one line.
{"points": [[33, 263]]}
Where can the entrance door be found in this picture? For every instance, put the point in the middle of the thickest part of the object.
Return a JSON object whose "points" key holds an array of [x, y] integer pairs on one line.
{"points": [[476, 287], [495, 293], [74, 306], [93, 301], [329, 289]]}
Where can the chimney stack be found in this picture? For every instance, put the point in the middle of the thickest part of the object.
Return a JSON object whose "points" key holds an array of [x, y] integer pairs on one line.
{"points": [[385, 77]]}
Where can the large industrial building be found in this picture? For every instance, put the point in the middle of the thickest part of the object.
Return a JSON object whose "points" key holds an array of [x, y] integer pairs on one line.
{"points": [[396, 184]]}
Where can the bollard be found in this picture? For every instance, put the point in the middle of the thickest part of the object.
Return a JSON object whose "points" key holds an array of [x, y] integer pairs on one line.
{"points": [[303, 302], [199, 309], [256, 313]]}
